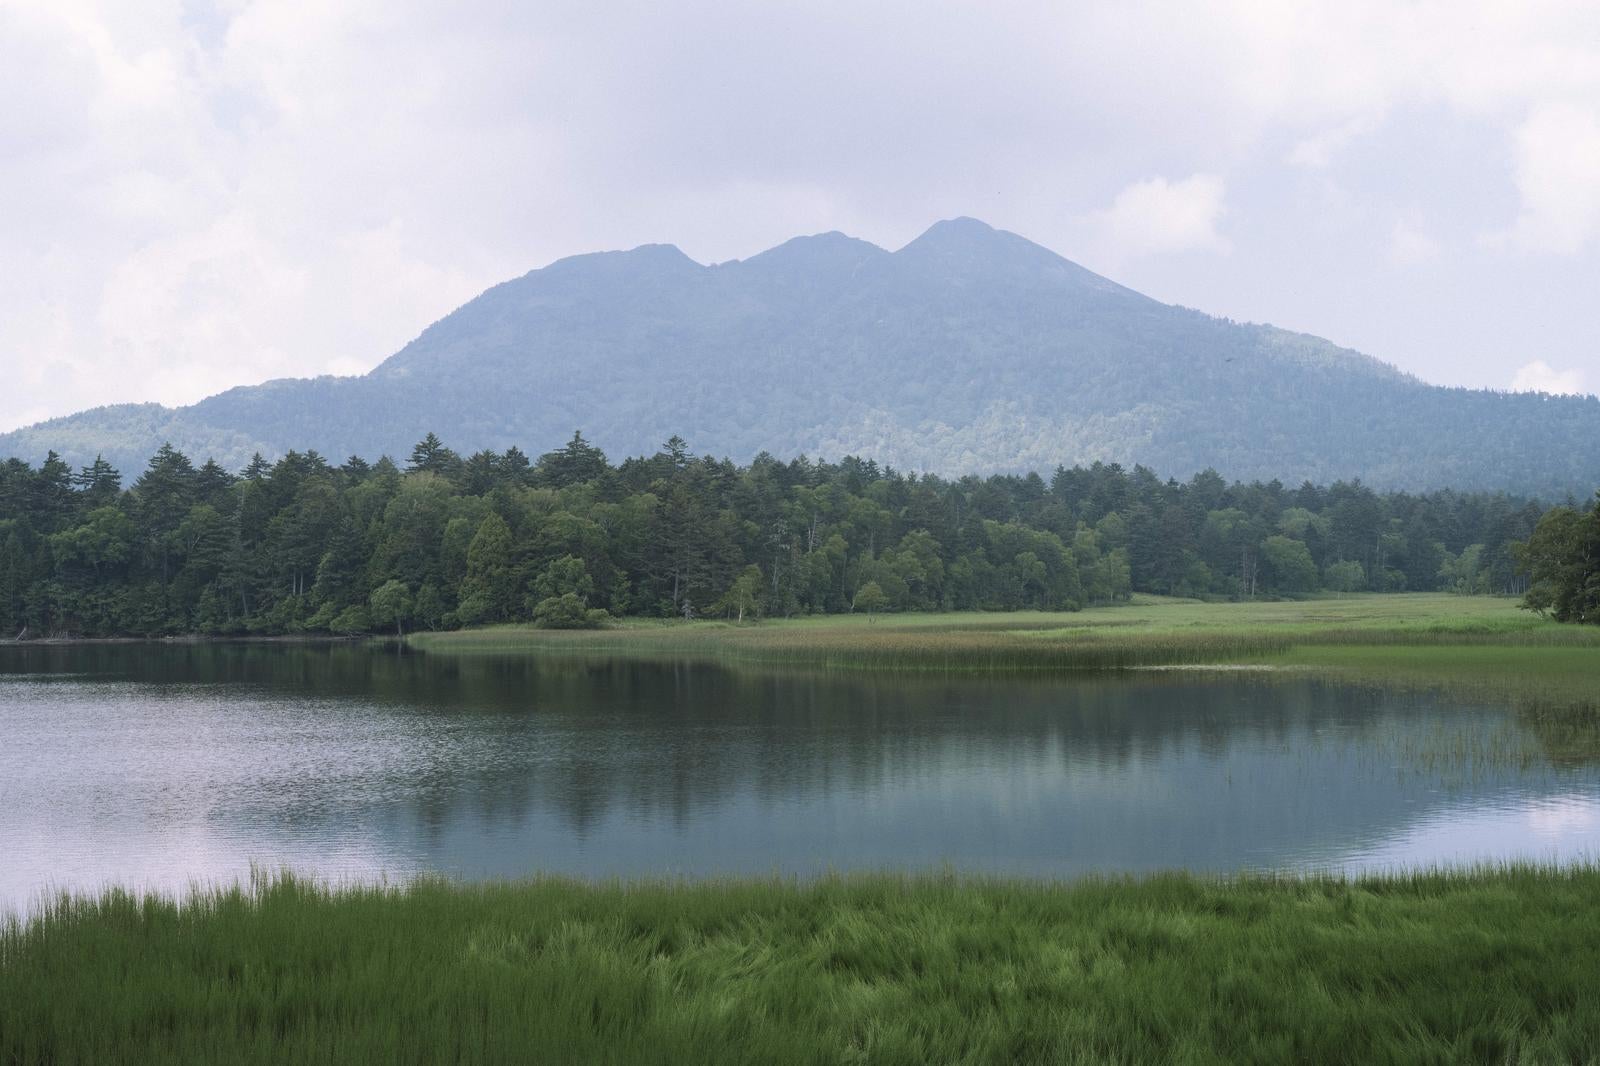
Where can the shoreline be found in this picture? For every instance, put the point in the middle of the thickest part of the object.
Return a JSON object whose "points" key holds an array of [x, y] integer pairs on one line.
{"points": [[1479, 644], [188, 638]]}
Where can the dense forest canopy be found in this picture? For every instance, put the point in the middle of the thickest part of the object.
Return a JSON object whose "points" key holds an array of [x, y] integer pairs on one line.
{"points": [[970, 350], [302, 545]]}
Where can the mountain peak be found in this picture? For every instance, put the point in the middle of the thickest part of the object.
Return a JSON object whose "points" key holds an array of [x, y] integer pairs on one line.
{"points": [[978, 244], [646, 256], [961, 232], [970, 349], [647, 261], [833, 251], [659, 253], [961, 225], [963, 249]]}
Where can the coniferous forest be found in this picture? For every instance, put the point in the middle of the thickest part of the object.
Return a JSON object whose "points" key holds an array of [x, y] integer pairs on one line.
{"points": [[569, 539]]}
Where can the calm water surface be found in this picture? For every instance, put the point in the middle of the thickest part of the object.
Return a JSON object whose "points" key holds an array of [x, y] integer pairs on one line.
{"points": [[158, 766]]}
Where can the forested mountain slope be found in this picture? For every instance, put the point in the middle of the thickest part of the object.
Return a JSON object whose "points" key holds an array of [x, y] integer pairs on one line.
{"points": [[970, 349]]}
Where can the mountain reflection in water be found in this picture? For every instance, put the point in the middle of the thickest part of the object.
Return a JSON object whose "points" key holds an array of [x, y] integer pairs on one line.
{"points": [[158, 765]]}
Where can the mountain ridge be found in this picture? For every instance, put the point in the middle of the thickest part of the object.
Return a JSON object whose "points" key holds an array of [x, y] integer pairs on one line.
{"points": [[969, 349]]}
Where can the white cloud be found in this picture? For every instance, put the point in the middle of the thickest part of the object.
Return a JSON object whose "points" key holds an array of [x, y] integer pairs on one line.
{"points": [[203, 193], [1157, 215], [1540, 376], [1319, 150], [1558, 177], [1410, 245]]}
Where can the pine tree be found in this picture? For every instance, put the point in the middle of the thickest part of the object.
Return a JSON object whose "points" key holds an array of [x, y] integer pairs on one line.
{"points": [[53, 500], [257, 469], [99, 482], [212, 483], [577, 462], [164, 493], [432, 456]]}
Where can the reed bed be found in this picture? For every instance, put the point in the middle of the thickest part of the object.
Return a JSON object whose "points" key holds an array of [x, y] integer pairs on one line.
{"points": [[1493, 965], [1476, 649], [1489, 632], [975, 650], [1547, 674]]}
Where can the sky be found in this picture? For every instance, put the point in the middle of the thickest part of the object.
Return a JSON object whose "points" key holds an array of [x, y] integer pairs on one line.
{"points": [[196, 195]]}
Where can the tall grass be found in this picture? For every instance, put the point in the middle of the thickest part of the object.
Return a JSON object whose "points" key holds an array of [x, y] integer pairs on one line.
{"points": [[974, 650], [1502, 672], [1473, 648], [1476, 638], [1486, 966]]}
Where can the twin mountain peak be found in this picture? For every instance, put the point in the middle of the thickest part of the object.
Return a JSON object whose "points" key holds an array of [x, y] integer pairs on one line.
{"points": [[969, 350]]}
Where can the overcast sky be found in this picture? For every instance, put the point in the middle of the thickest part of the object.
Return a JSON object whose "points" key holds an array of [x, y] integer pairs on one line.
{"points": [[195, 195]]}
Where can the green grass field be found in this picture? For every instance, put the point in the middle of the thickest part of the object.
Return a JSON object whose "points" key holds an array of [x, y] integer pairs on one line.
{"points": [[1478, 642], [1487, 966]]}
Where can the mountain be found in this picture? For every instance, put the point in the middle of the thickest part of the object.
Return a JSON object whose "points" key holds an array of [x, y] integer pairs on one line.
{"points": [[968, 350]]}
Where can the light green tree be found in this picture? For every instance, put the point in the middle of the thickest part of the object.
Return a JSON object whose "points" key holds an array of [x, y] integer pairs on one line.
{"points": [[391, 604], [869, 598], [1345, 576], [566, 575], [350, 621], [1464, 574], [1290, 564], [561, 596], [744, 595]]}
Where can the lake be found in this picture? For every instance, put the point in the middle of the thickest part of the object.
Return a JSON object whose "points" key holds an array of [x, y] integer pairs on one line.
{"points": [[159, 765]]}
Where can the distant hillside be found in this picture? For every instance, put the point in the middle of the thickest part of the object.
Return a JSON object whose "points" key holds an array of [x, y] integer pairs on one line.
{"points": [[970, 349]]}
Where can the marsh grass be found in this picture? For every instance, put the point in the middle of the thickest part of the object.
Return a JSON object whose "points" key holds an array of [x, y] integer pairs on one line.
{"points": [[1483, 642], [1476, 649], [1516, 673], [982, 649], [1485, 966]]}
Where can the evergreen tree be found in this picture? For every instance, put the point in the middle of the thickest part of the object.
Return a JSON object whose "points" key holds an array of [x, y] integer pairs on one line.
{"points": [[430, 455], [576, 463], [99, 482], [53, 500], [489, 592], [163, 495]]}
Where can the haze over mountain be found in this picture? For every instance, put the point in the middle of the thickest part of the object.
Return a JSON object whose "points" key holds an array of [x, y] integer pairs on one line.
{"points": [[969, 350]]}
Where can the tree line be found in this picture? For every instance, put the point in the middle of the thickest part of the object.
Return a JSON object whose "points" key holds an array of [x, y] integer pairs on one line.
{"points": [[569, 539]]}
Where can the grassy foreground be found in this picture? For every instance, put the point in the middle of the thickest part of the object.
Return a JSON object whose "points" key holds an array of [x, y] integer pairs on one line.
{"points": [[1481, 642], [1488, 966]]}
